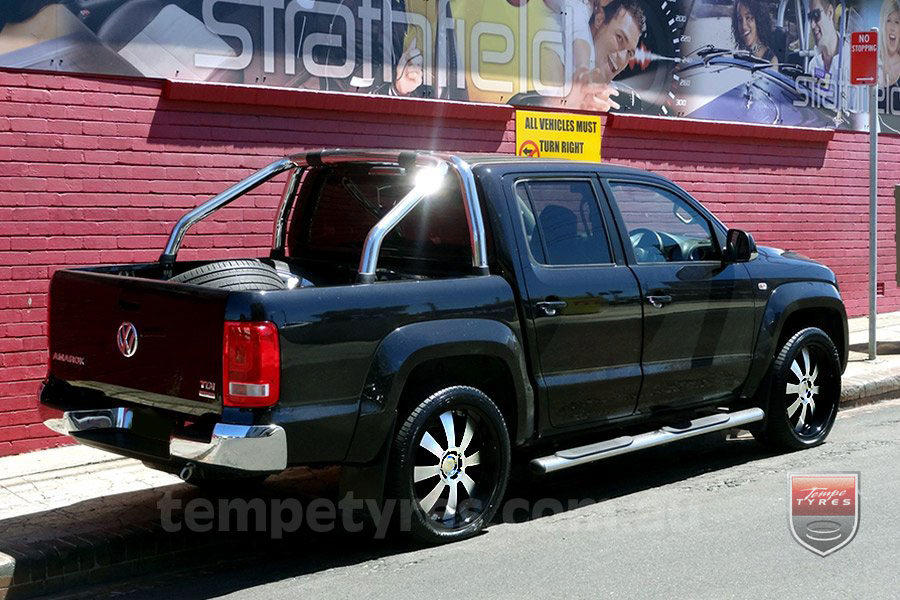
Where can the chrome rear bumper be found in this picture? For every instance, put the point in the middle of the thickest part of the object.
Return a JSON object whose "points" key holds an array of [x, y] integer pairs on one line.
{"points": [[253, 448], [243, 447]]}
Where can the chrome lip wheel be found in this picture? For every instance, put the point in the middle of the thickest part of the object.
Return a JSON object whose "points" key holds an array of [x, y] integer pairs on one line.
{"points": [[803, 407], [454, 467], [812, 401], [801, 392], [450, 464]]}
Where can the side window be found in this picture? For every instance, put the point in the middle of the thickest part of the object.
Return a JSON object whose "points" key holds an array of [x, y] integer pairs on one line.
{"points": [[661, 226], [562, 221]]}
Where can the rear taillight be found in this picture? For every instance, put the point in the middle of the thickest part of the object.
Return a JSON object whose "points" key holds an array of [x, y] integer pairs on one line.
{"points": [[251, 364]]}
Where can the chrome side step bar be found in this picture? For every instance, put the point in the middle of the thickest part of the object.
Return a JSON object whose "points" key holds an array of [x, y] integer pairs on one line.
{"points": [[572, 457]]}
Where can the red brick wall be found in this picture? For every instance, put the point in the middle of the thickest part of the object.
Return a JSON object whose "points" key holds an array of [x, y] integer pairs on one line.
{"points": [[96, 170]]}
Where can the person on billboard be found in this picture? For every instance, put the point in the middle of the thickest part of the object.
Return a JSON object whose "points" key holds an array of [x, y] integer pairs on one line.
{"points": [[825, 62], [615, 42], [616, 38], [409, 72], [616, 30], [751, 26], [889, 46], [831, 63]]}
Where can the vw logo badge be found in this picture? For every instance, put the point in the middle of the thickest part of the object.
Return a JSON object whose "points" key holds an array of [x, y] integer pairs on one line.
{"points": [[127, 339]]}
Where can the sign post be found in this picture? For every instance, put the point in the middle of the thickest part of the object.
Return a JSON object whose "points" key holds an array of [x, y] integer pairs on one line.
{"points": [[864, 71]]}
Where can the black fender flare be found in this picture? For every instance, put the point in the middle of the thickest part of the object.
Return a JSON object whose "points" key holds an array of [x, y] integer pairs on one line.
{"points": [[407, 347], [785, 300]]}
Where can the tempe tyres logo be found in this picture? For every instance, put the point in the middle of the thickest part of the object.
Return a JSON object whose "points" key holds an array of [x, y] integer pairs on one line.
{"points": [[824, 510]]}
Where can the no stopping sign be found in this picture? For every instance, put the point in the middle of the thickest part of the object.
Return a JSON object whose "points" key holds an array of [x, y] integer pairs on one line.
{"points": [[864, 57]]}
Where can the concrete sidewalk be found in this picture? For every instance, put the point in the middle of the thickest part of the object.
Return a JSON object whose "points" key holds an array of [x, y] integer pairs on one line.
{"points": [[867, 381], [74, 515]]}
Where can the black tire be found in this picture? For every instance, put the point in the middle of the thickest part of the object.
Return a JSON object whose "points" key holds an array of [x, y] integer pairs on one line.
{"points": [[802, 389], [477, 424], [234, 275]]}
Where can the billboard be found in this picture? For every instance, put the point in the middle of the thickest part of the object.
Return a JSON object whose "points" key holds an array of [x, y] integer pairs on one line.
{"points": [[779, 62]]}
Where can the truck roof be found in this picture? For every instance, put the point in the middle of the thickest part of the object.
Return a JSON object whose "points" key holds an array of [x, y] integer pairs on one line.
{"points": [[473, 159], [505, 159]]}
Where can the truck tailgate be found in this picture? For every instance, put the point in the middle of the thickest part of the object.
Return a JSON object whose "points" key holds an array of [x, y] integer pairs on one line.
{"points": [[172, 358]]}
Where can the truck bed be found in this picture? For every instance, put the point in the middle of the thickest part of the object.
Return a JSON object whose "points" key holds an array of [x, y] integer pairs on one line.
{"points": [[329, 336]]}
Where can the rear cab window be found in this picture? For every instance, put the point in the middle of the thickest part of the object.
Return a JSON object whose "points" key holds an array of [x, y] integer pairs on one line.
{"points": [[562, 221], [338, 206]]}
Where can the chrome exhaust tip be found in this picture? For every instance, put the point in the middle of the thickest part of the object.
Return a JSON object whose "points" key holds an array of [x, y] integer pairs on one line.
{"points": [[187, 471]]}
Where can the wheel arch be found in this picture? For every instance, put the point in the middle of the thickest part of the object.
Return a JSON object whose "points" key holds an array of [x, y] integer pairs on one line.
{"points": [[790, 308], [422, 358]]}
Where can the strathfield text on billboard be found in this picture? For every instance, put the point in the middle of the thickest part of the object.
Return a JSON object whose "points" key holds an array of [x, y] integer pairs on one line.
{"points": [[751, 61]]}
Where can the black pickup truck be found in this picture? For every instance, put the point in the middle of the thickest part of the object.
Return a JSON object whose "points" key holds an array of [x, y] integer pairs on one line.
{"points": [[423, 318]]}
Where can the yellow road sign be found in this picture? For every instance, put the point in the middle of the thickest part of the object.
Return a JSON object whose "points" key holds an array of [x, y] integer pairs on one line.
{"points": [[557, 135]]}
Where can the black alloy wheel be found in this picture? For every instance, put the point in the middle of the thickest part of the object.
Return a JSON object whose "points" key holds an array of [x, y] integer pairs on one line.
{"points": [[451, 462], [805, 392]]}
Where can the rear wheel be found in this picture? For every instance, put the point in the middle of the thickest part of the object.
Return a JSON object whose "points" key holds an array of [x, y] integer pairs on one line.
{"points": [[450, 462], [804, 392]]}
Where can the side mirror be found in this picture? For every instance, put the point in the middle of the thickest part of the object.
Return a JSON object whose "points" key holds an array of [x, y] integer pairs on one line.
{"points": [[739, 246]]}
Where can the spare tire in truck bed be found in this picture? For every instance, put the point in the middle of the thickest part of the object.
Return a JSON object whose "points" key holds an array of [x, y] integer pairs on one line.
{"points": [[234, 275]]}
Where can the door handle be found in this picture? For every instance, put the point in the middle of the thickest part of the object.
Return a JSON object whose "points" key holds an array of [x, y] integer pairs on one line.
{"points": [[658, 301], [551, 308]]}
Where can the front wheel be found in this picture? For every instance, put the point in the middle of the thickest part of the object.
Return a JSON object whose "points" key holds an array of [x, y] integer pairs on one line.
{"points": [[804, 392], [450, 462]]}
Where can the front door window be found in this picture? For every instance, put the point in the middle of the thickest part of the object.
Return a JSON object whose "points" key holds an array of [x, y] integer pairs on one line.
{"points": [[663, 227]]}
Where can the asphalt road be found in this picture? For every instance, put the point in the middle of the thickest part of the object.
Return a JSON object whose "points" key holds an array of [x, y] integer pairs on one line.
{"points": [[703, 519]]}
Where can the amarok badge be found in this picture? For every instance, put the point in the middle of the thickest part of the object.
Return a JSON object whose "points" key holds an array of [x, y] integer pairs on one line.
{"points": [[824, 510]]}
